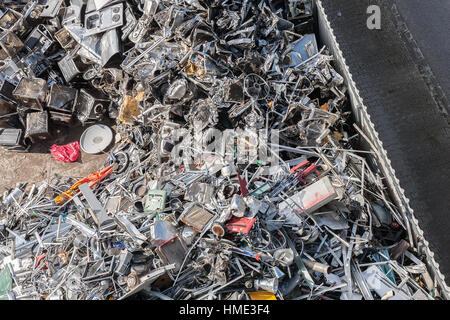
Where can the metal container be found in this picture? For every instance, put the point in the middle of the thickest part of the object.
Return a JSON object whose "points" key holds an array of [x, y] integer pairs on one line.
{"points": [[37, 126], [31, 92], [90, 106], [62, 98]]}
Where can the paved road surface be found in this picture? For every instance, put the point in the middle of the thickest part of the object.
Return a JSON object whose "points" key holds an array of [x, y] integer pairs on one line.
{"points": [[429, 23]]}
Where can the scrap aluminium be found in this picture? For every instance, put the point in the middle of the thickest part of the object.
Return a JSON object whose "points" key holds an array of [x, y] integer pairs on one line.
{"points": [[236, 172]]}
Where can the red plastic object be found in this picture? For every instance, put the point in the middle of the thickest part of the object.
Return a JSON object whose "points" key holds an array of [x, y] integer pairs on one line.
{"points": [[297, 167], [302, 174], [312, 168], [66, 153], [243, 185], [39, 259], [243, 225]]}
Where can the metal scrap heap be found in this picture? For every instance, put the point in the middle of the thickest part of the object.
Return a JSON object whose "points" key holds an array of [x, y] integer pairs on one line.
{"points": [[236, 171]]}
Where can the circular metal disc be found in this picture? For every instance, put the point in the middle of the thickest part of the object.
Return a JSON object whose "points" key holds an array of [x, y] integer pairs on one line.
{"points": [[96, 138]]}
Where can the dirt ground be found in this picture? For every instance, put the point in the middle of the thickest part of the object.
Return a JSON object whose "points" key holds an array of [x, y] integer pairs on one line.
{"points": [[38, 165]]}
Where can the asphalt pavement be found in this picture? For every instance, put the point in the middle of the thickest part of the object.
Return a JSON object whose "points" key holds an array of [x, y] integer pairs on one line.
{"points": [[429, 23]]}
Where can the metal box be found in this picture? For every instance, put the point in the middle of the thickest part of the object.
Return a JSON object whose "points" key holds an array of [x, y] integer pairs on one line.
{"points": [[62, 98], [10, 44], [9, 19], [37, 126], [36, 63], [6, 90], [31, 92], [104, 20], [10, 137], [62, 117], [39, 40], [12, 140], [9, 117], [172, 251], [65, 39], [51, 8], [71, 66], [90, 105]]}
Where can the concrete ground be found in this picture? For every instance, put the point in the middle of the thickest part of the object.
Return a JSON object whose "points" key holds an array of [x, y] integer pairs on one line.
{"points": [[38, 165]]}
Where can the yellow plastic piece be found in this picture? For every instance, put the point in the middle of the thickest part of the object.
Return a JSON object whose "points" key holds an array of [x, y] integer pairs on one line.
{"points": [[261, 295]]}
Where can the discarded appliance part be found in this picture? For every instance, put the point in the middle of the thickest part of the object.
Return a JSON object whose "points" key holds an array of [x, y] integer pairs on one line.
{"points": [[62, 98], [313, 197], [196, 217], [130, 228], [103, 20], [39, 40], [98, 269], [109, 46], [161, 231], [9, 19], [13, 140], [99, 214], [96, 138], [199, 192], [90, 106], [71, 66], [156, 201], [237, 225], [10, 137], [137, 285], [58, 117], [129, 24], [237, 206], [173, 251], [65, 39], [31, 92], [51, 8], [10, 44], [123, 263], [37, 126], [6, 90], [270, 285]]}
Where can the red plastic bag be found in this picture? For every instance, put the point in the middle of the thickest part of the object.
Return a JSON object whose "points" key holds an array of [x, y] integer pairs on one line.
{"points": [[66, 153]]}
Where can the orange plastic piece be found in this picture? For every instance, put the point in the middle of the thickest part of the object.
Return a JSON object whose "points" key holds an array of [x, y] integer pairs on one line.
{"points": [[261, 295], [91, 180]]}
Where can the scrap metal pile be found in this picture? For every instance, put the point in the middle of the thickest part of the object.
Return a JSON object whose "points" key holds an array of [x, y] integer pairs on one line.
{"points": [[235, 173]]}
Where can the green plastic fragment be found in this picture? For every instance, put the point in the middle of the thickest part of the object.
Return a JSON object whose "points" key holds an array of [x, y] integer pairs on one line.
{"points": [[156, 201], [5, 283], [264, 188]]}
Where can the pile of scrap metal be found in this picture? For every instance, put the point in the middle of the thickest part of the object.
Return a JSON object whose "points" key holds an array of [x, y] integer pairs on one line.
{"points": [[188, 206], [54, 67]]}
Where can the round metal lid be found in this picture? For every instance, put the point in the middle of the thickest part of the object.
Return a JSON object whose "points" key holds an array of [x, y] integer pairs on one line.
{"points": [[96, 138]]}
